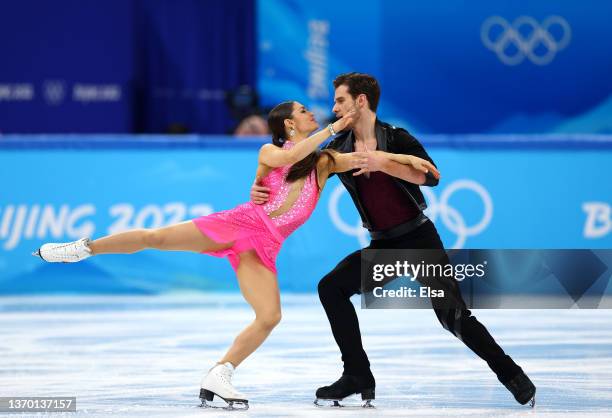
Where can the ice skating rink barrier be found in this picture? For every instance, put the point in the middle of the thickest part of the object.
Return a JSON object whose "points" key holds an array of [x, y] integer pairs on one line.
{"points": [[506, 191]]}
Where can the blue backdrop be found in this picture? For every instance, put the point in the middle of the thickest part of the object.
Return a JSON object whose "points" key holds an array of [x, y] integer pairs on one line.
{"points": [[500, 192], [447, 66], [122, 65], [444, 66]]}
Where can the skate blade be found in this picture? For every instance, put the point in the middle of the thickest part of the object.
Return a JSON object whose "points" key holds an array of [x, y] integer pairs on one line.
{"points": [[231, 405], [335, 403]]}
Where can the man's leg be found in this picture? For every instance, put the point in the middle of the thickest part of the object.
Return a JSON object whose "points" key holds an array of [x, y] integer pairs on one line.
{"points": [[468, 329], [335, 290], [452, 313]]}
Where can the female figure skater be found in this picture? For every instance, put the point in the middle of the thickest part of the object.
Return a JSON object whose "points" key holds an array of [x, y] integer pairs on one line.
{"points": [[250, 235]]}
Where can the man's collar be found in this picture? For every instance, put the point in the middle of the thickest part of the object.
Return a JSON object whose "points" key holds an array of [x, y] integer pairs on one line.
{"points": [[381, 135], [379, 131]]}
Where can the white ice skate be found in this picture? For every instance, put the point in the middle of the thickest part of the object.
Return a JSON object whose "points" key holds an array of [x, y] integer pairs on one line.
{"points": [[67, 252], [218, 382]]}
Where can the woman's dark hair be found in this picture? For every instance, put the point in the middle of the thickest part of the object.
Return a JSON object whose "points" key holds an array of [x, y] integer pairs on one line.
{"points": [[276, 123]]}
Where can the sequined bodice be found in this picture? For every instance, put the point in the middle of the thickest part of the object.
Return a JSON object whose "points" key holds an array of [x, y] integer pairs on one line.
{"points": [[301, 209]]}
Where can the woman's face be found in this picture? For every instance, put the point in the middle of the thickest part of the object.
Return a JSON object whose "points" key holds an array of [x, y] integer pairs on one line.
{"points": [[304, 121]]}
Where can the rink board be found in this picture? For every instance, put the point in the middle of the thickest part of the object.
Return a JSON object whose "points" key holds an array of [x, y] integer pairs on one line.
{"points": [[495, 192]]}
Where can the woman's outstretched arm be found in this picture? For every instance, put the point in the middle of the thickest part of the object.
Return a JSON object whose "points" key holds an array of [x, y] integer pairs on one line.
{"points": [[335, 162], [410, 168], [273, 156], [347, 161], [419, 164]]}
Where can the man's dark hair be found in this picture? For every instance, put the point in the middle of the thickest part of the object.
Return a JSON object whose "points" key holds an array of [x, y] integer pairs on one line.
{"points": [[358, 83]]}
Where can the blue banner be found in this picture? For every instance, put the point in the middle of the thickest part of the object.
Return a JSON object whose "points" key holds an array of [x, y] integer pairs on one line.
{"points": [[444, 66], [123, 66], [510, 195], [68, 67]]}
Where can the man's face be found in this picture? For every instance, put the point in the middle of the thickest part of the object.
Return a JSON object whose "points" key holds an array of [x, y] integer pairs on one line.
{"points": [[343, 102]]}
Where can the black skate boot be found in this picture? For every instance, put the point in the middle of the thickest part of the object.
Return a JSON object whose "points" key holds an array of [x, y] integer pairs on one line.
{"points": [[346, 386], [522, 388]]}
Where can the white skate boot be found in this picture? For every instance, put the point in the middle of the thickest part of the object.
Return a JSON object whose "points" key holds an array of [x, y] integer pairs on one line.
{"points": [[218, 382], [67, 252]]}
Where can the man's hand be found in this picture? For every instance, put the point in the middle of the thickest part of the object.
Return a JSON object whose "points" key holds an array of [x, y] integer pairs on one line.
{"points": [[259, 194], [413, 170], [372, 161]]}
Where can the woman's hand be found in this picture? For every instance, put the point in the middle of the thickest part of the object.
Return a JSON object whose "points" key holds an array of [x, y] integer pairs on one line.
{"points": [[344, 121], [422, 165]]}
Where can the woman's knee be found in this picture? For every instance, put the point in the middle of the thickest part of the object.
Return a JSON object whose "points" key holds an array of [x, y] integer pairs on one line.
{"points": [[153, 238], [269, 320]]}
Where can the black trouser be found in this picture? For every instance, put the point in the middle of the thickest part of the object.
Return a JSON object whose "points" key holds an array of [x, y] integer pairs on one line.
{"points": [[344, 281]]}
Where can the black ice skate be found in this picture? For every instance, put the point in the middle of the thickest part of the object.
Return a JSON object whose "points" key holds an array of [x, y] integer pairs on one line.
{"points": [[346, 386], [522, 388]]}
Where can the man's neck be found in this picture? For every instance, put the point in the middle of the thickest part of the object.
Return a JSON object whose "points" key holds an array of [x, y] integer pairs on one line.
{"points": [[364, 128]]}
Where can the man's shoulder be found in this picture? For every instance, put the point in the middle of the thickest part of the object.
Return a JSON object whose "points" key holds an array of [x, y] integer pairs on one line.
{"points": [[395, 132]]}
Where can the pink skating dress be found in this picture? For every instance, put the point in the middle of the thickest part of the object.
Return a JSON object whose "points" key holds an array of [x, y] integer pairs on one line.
{"points": [[250, 227]]}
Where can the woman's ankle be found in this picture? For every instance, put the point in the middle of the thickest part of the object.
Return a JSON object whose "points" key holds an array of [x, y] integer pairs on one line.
{"points": [[232, 363]]}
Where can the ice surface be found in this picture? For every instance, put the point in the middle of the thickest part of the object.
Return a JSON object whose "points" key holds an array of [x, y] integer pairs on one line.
{"points": [[144, 357]]}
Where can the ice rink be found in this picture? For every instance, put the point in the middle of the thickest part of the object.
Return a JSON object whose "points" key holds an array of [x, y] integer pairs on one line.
{"points": [[144, 357]]}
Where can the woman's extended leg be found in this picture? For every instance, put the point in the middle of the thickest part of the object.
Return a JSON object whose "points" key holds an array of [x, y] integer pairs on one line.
{"points": [[184, 236], [260, 289]]}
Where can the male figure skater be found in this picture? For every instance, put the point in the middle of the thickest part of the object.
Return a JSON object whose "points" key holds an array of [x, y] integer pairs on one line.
{"points": [[390, 204]]}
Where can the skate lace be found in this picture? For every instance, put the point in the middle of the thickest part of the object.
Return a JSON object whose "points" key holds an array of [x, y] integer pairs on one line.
{"points": [[226, 375], [66, 246], [66, 251], [73, 247]]}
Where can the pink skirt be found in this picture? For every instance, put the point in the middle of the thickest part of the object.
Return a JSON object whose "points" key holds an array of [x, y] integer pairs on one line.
{"points": [[249, 228]]}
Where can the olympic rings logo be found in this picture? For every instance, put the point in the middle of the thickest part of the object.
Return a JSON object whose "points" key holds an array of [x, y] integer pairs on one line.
{"points": [[357, 229], [452, 219], [538, 37]]}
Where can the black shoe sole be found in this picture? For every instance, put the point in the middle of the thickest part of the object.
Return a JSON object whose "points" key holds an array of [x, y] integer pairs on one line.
{"points": [[366, 395]]}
